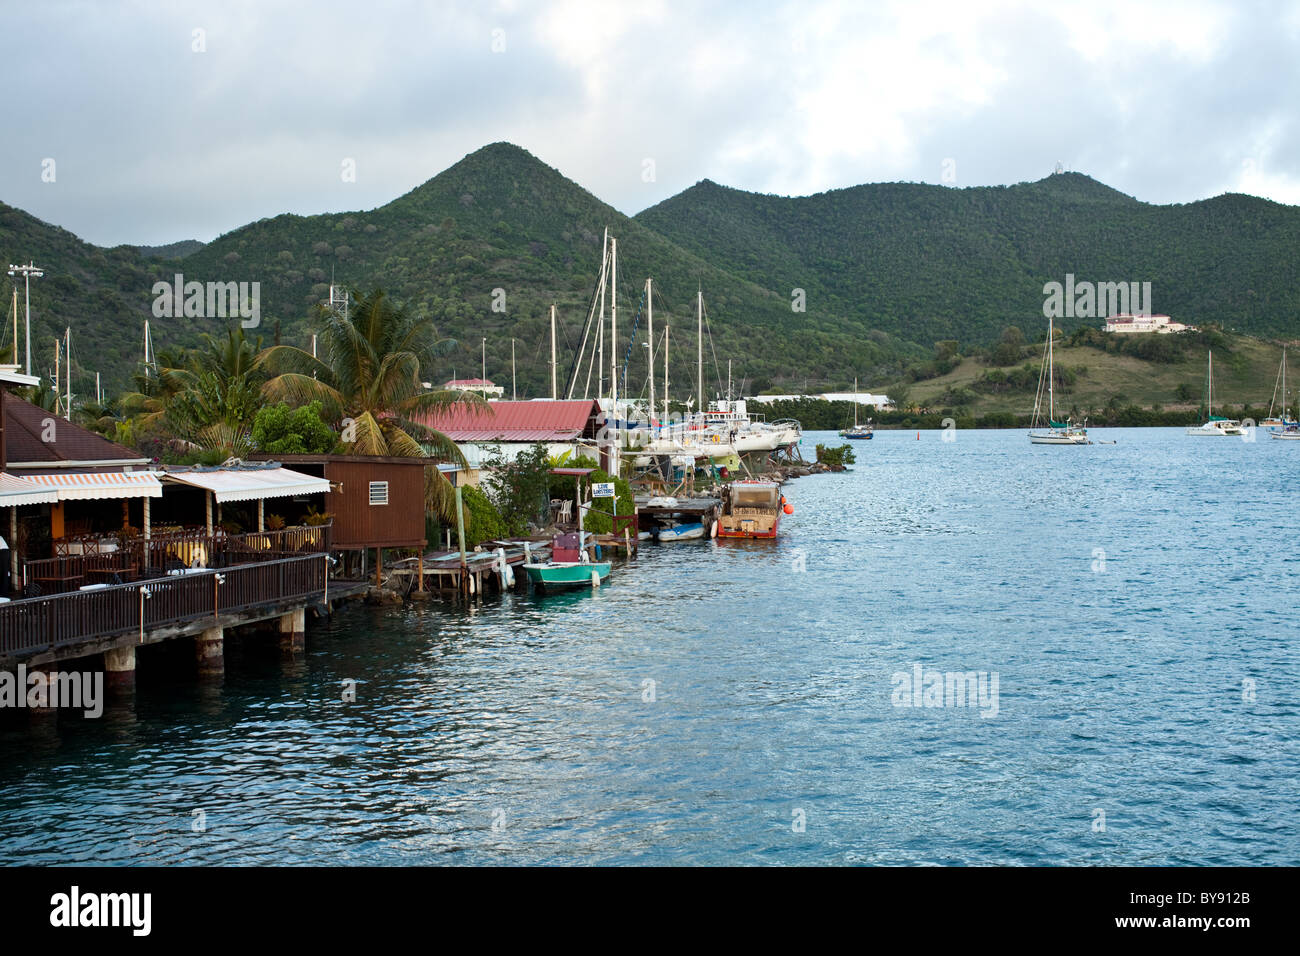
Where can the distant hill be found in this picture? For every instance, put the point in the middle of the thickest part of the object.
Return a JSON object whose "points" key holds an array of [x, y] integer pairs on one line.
{"points": [[887, 269], [926, 263], [173, 250]]}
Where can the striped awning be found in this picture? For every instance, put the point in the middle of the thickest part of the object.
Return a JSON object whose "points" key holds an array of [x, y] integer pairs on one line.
{"points": [[16, 491], [238, 484], [86, 486]]}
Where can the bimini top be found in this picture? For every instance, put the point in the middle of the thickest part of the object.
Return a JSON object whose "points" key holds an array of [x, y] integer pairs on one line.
{"points": [[247, 484]]}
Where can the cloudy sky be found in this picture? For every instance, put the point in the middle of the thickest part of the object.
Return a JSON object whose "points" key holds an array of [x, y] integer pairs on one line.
{"points": [[165, 121]]}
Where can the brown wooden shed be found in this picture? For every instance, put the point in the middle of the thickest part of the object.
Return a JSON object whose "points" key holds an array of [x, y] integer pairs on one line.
{"points": [[376, 502]]}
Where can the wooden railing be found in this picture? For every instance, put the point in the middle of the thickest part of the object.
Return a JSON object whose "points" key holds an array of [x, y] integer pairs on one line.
{"points": [[40, 623], [140, 558]]}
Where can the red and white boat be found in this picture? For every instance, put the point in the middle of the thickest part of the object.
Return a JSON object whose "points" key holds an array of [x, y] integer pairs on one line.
{"points": [[752, 509]]}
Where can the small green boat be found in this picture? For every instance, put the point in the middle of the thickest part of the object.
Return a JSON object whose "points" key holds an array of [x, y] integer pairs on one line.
{"points": [[568, 574], [569, 566]]}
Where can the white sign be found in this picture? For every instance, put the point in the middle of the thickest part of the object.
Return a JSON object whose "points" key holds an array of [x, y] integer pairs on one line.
{"points": [[602, 489]]}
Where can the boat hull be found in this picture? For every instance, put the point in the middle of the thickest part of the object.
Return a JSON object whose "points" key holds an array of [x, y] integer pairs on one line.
{"points": [[1057, 438], [691, 531], [741, 531], [565, 574]]}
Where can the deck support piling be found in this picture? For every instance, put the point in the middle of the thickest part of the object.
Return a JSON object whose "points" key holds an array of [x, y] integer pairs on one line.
{"points": [[293, 627], [209, 652], [119, 670]]}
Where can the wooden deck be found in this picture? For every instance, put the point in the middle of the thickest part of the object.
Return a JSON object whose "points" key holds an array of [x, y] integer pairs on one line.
{"points": [[80, 623]]}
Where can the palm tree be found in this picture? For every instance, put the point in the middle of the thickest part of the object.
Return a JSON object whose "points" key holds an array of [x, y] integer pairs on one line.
{"points": [[367, 380], [206, 397]]}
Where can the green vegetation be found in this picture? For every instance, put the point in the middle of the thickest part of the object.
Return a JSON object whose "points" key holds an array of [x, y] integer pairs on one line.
{"points": [[482, 519], [282, 430], [906, 284], [837, 458]]}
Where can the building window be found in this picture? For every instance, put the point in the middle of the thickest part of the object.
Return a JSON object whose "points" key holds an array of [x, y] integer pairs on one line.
{"points": [[379, 492]]}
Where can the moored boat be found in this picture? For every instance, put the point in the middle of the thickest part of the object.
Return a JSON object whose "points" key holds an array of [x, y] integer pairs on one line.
{"points": [[1216, 426], [1057, 433], [568, 566], [752, 509]]}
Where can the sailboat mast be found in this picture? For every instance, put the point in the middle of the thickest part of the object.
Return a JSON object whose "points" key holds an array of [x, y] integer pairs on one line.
{"points": [[1209, 384], [554, 390], [650, 341], [699, 349], [613, 325], [67, 384], [855, 402], [665, 418], [1051, 375]]}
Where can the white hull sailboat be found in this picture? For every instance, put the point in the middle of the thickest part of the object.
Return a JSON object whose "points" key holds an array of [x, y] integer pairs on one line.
{"points": [[1216, 426], [1282, 428], [1056, 433]]}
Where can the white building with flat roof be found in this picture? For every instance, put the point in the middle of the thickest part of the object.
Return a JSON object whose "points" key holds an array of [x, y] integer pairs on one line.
{"points": [[1128, 322]]}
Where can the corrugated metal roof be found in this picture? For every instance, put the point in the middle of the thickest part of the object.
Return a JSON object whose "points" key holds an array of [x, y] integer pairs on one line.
{"points": [[34, 435], [514, 421], [246, 485], [19, 491], [101, 484]]}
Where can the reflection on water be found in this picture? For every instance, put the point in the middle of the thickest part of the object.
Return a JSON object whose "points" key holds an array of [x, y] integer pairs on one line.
{"points": [[1125, 595]]}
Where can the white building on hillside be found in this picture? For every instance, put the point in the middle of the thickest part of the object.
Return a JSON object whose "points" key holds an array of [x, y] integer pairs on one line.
{"points": [[1126, 322]]}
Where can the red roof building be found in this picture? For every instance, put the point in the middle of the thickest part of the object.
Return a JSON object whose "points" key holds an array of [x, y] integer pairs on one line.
{"points": [[537, 421]]}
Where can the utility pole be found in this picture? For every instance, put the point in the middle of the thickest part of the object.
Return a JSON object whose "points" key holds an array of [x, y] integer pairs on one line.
{"points": [[483, 373], [514, 396], [27, 272]]}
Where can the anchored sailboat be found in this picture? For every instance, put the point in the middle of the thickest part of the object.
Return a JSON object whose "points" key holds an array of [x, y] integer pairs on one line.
{"points": [[1289, 429], [1216, 426], [857, 431], [1056, 433]]}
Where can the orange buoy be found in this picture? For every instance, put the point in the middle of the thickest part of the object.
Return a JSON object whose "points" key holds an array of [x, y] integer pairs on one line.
{"points": [[789, 509], [918, 436]]}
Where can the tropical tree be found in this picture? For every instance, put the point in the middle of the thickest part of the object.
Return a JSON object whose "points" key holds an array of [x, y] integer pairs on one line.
{"points": [[367, 378]]}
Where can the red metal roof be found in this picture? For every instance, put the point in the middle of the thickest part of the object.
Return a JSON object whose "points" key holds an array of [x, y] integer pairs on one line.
{"points": [[477, 382], [514, 421]]}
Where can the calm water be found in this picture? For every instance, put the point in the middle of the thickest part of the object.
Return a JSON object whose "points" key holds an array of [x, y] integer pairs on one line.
{"points": [[1122, 594]]}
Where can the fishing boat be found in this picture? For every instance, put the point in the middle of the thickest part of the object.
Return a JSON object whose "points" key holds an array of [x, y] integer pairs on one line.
{"points": [[752, 509], [857, 431], [1216, 426], [1056, 433], [569, 565]]}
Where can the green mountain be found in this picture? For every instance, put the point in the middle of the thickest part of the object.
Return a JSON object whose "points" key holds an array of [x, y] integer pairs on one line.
{"points": [[886, 270], [926, 263]]}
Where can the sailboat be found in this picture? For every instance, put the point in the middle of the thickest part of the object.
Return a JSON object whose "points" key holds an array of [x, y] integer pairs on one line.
{"points": [[1056, 433], [857, 431], [1289, 430], [1280, 424], [1215, 426]]}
